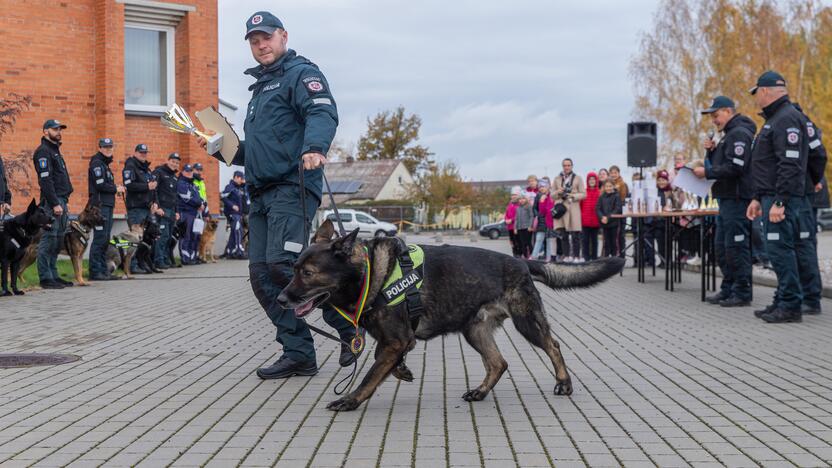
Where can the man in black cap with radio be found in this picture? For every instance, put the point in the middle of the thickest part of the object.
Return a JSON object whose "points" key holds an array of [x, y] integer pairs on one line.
{"points": [[102, 189], [290, 123], [166, 199], [779, 157], [729, 164], [140, 186], [55, 188]]}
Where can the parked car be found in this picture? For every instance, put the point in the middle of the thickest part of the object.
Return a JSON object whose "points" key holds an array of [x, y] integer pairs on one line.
{"points": [[368, 225], [825, 219], [494, 230]]}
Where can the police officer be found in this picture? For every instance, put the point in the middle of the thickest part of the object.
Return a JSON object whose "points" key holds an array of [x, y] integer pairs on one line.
{"points": [[290, 120], [199, 182], [726, 164], [140, 186], [5, 193], [779, 156], [233, 200], [102, 190], [190, 206], [55, 188], [167, 200]]}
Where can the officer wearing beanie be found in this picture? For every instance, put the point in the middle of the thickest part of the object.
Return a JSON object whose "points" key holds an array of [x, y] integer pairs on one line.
{"points": [[290, 122], [102, 190]]}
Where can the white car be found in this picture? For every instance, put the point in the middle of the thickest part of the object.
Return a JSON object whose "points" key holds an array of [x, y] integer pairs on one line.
{"points": [[368, 225]]}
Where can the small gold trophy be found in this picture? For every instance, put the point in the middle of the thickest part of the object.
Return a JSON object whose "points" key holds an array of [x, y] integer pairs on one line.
{"points": [[178, 120]]}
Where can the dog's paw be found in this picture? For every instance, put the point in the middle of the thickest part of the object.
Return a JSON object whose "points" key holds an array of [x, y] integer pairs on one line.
{"points": [[6, 293], [474, 395], [18, 292], [343, 404], [403, 373], [564, 388]]}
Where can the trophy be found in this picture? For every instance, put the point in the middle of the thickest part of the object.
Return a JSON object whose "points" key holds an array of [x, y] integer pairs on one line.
{"points": [[178, 120]]}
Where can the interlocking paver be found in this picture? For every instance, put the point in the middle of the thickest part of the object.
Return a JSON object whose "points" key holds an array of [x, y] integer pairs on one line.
{"points": [[660, 380]]}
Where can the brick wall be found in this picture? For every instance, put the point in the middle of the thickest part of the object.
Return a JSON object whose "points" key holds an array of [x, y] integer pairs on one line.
{"points": [[68, 56]]}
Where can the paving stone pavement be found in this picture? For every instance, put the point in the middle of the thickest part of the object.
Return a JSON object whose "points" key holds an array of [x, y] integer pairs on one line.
{"points": [[167, 379]]}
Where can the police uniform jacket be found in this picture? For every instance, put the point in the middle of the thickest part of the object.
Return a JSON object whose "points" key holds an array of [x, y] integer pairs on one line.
{"points": [[136, 175], [101, 183], [232, 195], [166, 188], [291, 113], [730, 160], [5, 193], [780, 152], [53, 176], [816, 163], [189, 199]]}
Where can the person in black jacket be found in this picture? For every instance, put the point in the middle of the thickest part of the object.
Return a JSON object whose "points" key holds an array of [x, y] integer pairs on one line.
{"points": [[5, 193], [140, 185], [233, 201], [728, 163], [55, 189], [102, 189], [609, 204], [166, 199]]}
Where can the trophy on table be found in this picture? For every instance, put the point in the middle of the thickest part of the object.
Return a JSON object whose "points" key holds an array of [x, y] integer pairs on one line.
{"points": [[224, 141]]}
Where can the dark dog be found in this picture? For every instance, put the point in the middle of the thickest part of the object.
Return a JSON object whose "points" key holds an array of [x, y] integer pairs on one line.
{"points": [[16, 235], [137, 242], [175, 234], [465, 290]]}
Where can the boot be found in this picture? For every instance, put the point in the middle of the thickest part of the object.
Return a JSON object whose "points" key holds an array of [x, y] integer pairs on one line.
{"points": [[764, 311], [287, 367], [809, 310], [780, 315], [715, 298], [734, 301]]}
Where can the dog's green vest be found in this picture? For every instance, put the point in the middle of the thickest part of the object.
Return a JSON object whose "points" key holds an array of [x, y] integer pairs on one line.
{"points": [[396, 286]]}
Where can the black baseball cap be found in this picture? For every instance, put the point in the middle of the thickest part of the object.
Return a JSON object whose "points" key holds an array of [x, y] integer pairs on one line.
{"points": [[239, 174], [174, 156], [105, 142], [769, 79], [262, 21], [141, 148], [52, 123], [720, 102], [198, 167], [187, 168]]}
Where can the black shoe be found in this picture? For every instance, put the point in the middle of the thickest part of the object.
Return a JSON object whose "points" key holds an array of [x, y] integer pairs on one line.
{"points": [[100, 278], [114, 278], [51, 284], [734, 301], [65, 283], [808, 310], [715, 298], [287, 367], [347, 357], [766, 310], [138, 271], [162, 267], [779, 315]]}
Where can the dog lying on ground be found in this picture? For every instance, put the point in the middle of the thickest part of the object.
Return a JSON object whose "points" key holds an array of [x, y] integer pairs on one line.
{"points": [[16, 235], [137, 242], [205, 251], [75, 241], [465, 290]]}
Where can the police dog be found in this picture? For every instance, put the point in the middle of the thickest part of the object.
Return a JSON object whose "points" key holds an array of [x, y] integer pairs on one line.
{"points": [[205, 251], [175, 234], [137, 242], [465, 290], [16, 235]]}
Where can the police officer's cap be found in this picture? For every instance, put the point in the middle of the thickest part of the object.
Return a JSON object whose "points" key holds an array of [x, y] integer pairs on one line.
{"points": [[239, 174], [105, 142], [263, 21], [720, 102], [174, 156], [198, 166], [768, 79], [141, 148], [187, 168], [52, 123]]}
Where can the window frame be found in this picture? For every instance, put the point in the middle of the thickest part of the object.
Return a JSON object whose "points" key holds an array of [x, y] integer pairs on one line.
{"points": [[170, 98]]}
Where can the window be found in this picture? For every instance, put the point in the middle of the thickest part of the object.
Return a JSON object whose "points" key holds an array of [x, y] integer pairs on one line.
{"points": [[345, 218], [363, 219], [148, 68]]}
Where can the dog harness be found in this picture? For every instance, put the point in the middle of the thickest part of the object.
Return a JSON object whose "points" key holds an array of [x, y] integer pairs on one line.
{"points": [[403, 284], [85, 235]]}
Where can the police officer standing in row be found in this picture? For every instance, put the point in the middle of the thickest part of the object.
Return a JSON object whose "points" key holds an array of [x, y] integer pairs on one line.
{"points": [[166, 199], [728, 163], [102, 190], [233, 200], [140, 186], [55, 188], [290, 122], [779, 157], [190, 206]]}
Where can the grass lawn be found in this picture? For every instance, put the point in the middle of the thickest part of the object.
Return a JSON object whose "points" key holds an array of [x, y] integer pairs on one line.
{"points": [[30, 276]]}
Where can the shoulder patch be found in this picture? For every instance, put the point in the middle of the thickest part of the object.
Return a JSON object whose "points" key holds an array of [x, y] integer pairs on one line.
{"points": [[739, 148], [314, 84], [792, 136], [42, 163], [97, 171], [810, 129]]}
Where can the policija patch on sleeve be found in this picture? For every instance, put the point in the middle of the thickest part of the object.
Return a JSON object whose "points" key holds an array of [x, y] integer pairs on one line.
{"points": [[314, 84]]}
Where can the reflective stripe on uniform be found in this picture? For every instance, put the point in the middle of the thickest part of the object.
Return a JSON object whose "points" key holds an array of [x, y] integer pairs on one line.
{"points": [[739, 162], [792, 154], [804, 235], [814, 144], [739, 238], [773, 236], [322, 101]]}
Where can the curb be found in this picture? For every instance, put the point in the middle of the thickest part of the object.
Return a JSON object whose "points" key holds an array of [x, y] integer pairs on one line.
{"points": [[760, 280]]}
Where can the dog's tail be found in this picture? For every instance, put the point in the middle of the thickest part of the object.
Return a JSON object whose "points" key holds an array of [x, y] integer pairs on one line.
{"points": [[581, 275]]}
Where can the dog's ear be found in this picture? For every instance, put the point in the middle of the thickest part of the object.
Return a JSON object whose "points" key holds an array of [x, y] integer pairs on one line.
{"points": [[324, 233], [32, 207], [344, 245]]}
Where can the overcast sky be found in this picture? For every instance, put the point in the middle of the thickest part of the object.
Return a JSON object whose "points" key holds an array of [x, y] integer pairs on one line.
{"points": [[504, 89]]}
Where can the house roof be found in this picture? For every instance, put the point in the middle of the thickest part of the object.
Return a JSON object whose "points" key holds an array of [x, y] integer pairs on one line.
{"points": [[372, 175]]}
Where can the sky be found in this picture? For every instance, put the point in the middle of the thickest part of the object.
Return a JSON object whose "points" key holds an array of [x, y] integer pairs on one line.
{"points": [[504, 89]]}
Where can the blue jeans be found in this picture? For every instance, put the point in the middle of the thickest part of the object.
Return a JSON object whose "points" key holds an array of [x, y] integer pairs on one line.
{"points": [[781, 239], [50, 245], [542, 244], [100, 240]]}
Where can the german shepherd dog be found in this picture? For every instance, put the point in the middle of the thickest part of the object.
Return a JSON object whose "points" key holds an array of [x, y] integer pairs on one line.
{"points": [[137, 242], [74, 243], [205, 250], [465, 290], [16, 235]]}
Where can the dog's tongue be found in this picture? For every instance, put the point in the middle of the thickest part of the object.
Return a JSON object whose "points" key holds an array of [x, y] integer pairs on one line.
{"points": [[303, 309]]}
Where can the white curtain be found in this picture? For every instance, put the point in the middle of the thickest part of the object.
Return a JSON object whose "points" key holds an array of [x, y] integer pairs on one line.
{"points": [[145, 67]]}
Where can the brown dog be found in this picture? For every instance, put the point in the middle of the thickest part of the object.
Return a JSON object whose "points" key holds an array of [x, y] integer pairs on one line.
{"points": [[76, 238], [205, 251]]}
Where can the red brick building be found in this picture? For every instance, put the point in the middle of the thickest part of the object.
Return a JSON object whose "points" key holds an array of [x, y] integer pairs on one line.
{"points": [[105, 68]]}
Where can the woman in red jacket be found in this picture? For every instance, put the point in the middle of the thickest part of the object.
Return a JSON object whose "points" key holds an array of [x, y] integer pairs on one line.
{"points": [[589, 218]]}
